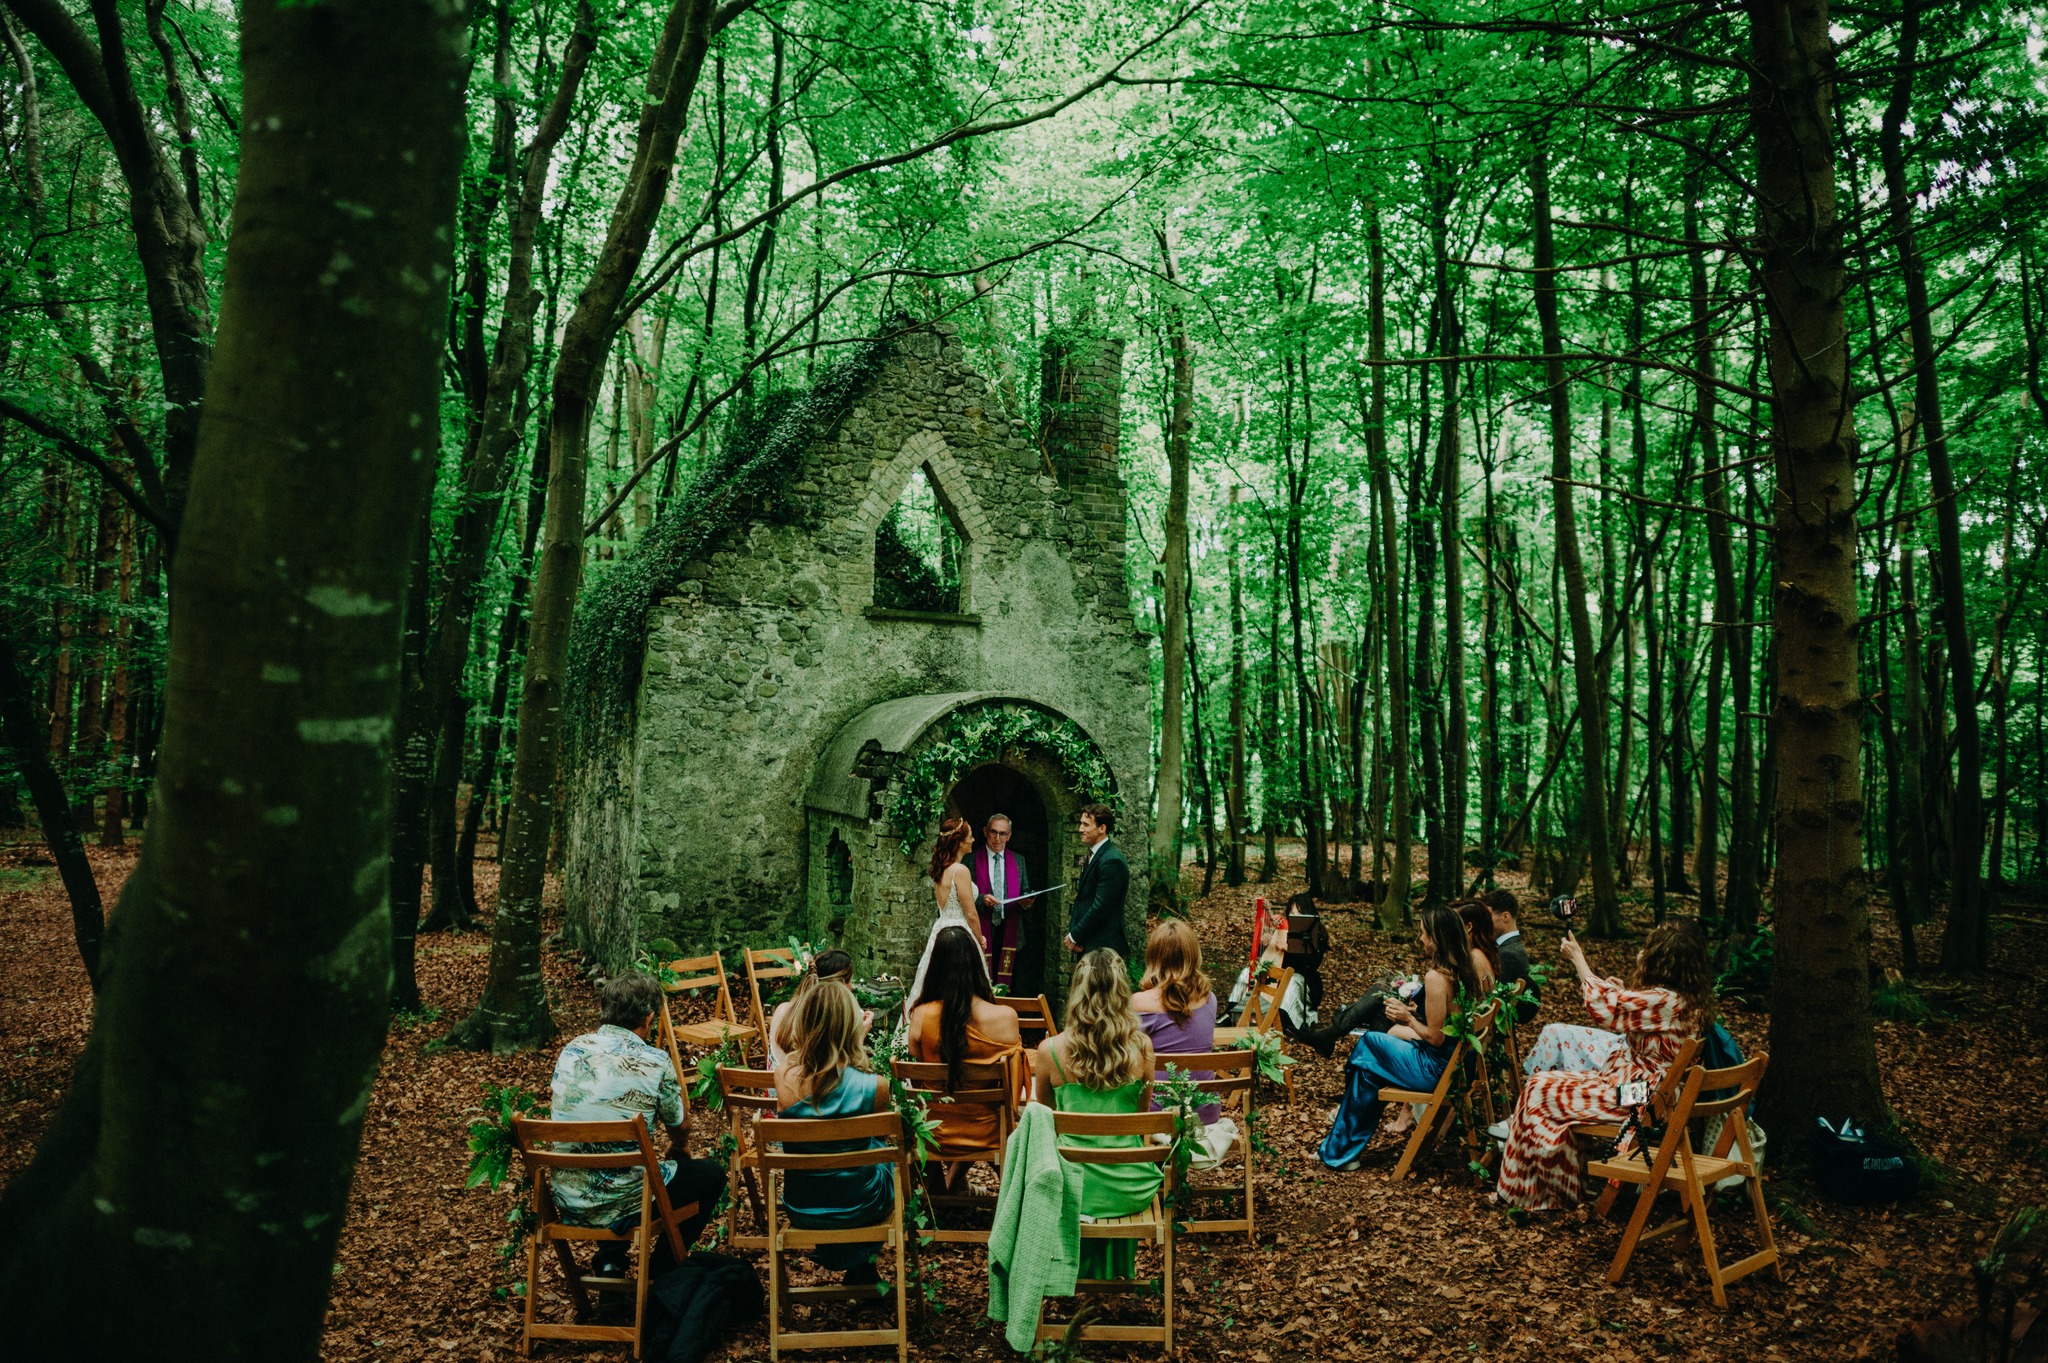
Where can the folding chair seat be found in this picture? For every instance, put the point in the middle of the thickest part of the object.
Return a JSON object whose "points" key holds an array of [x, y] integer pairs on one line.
{"points": [[1261, 1014], [1671, 1164], [704, 972], [1235, 1073], [1439, 1104], [784, 1238], [1034, 1024], [535, 1140], [992, 1084], [766, 965], [748, 1096], [1153, 1225]]}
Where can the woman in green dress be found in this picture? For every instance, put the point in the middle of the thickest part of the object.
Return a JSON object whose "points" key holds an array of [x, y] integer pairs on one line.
{"points": [[1102, 1062]]}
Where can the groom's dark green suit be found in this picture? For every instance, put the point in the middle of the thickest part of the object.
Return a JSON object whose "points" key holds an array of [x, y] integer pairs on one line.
{"points": [[1097, 919]]}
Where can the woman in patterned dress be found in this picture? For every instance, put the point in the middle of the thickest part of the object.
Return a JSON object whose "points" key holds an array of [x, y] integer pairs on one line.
{"points": [[1670, 1004]]}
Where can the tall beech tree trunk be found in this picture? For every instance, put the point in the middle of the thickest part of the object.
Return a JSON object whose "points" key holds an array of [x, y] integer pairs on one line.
{"points": [[1823, 1056], [1449, 851], [1965, 942], [1393, 904], [1720, 555], [513, 1013], [202, 1160], [1606, 917], [1166, 824], [1236, 795]]}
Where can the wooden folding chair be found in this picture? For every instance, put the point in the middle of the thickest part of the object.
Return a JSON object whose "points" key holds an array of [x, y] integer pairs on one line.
{"points": [[784, 1238], [1034, 1016], [1672, 1164], [1262, 1014], [988, 1083], [532, 1138], [1661, 1099], [1438, 1105], [703, 972], [1232, 1086], [748, 1095], [1510, 1024], [767, 963], [1153, 1225]]}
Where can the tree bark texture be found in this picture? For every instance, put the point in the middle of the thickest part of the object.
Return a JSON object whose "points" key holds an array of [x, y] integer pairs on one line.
{"points": [[203, 1154], [24, 725], [1823, 1055], [1393, 903], [1173, 644]]}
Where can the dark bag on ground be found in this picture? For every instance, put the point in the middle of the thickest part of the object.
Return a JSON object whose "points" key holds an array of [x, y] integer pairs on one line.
{"points": [[1852, 1165], [690, 1307]]}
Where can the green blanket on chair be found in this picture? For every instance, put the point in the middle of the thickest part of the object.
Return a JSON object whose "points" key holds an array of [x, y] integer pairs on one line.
{"points": [[1034, 1249]]}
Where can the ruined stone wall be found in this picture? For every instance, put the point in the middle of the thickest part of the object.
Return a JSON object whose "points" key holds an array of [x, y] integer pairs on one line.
{"points": [[771, 645]]}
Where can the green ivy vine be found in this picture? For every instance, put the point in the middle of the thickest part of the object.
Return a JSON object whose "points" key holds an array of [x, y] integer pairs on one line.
{"points": [[968, 738]]}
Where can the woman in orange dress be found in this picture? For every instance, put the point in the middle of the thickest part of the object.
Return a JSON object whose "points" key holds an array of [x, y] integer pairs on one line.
{"points": [[956, 1022]]}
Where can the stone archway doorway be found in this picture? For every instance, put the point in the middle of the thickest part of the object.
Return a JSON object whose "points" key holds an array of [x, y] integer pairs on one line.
{"points": [[994, 788]]}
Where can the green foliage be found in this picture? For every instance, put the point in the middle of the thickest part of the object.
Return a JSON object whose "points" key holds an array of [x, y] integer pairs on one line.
{"points": [[1745, 977], [1898, 1000], [973, 736], [1180, 1094], [1270, 1059], [608, 638], [411, 1019], [490, 1137]]}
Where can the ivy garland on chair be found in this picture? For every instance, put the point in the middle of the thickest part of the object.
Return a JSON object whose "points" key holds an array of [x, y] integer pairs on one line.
{"points": [[970, 738]]}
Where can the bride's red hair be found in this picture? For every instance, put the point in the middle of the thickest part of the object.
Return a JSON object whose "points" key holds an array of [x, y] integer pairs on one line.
{"points": [[953, 835]]}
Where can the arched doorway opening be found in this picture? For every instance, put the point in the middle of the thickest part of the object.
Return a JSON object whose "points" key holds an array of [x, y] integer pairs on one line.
{"points": [[978, 796]]}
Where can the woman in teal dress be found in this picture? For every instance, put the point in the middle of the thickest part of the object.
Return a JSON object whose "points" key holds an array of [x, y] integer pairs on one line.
{"points": [[817, 1079], [1102, 1062]]}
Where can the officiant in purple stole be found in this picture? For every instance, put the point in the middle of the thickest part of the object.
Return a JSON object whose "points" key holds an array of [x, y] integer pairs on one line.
{"points": [[999, 875]]}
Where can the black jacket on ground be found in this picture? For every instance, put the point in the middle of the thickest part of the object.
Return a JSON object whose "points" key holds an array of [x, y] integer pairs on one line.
{"points": [[690, 1307]]}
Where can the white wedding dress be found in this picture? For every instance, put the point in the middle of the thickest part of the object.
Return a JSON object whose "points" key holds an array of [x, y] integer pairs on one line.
{"points": [[951, 916]]}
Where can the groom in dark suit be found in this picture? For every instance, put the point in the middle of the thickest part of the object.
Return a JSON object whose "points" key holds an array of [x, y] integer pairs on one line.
{"points": [[1097, 919]]}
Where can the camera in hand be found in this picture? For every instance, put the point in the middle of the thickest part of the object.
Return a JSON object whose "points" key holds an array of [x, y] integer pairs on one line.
{"points": [[1566, 907]]}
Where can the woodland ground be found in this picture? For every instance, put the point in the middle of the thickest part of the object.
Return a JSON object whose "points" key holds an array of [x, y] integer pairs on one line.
{"points": [[1348, 1266]]}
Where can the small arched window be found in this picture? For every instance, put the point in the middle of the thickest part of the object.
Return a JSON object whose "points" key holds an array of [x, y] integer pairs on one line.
{"points": [[918, 551]]}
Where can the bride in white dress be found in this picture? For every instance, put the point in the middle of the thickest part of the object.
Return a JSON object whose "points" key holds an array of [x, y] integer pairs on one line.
{"points": [[952, 894]]}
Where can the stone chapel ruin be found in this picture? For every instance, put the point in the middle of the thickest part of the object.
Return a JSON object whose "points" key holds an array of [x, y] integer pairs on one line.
{"points": [[887, 599]]}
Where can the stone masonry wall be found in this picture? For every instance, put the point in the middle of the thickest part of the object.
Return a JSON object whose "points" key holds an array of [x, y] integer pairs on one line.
{"points": [[770, 647]]}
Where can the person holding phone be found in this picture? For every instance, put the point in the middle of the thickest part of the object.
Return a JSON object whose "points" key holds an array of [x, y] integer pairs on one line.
{"points": [[1670, 1003]]}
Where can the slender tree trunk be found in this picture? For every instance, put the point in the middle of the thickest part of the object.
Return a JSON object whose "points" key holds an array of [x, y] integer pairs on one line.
{"points": [[1606, 918], [23, 727], [1394, 903], [1237, 797], [1824, 1058], [1166, 824], [1450, 474], [513, 1013], [199, 1161]]}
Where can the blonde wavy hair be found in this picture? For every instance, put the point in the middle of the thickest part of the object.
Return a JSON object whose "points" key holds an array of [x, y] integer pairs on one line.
{"points": [[1173, 966], [825, 1042], [1104, 1047]]}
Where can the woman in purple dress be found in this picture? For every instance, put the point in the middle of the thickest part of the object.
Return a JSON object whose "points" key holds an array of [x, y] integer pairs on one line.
{"points": [[1175, 1004]]}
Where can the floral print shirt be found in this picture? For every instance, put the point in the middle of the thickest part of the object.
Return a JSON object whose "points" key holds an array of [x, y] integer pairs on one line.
{"points": [[611, 1075]]}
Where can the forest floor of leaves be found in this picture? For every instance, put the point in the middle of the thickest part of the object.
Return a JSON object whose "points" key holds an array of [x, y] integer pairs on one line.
{"points": [[1348, 1266]]}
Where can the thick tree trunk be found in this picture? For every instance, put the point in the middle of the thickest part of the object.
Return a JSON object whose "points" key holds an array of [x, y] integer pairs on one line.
{"points": [[1606, 917], [513, 1013], [200, 1161], [1824, 1059], [1166, 824]]}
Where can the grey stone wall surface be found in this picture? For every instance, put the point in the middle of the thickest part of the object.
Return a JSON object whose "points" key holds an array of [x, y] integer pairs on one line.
{"points": [[699, 832]]}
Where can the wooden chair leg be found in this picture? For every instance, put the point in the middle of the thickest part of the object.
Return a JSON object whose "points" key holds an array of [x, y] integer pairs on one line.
{"points": [[775, 1283], [1763, 1222], [1166, 1292], [1705, 1232], [532, 1291], [1417, 1139], [902, 1289], [643, 1253], [574, 1275], [1646, 1197]]}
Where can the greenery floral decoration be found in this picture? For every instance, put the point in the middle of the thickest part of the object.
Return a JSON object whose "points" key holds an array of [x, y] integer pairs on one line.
{"points": [[970, 737], [1268, 1058], [490, 1162]]}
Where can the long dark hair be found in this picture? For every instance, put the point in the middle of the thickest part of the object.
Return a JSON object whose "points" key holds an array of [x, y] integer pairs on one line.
{"points": [[953, 831], [954, 981], [1451, 953], [1479, 919]]}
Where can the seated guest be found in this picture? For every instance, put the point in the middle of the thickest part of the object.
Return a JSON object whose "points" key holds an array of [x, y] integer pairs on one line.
{"points": [[1308, 941], [826, 965], [957, 1022], [1175, 1003], [1670, 1004], [1478, 921], [817, 1078], [1368, 1011], [1295, 1015], [1512, 950], [1411, 1055], [616, 1074], [1102, 1063]]}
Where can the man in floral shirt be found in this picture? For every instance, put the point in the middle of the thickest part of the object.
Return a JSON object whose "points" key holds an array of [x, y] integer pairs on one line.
{"points": [[614, 1074]]}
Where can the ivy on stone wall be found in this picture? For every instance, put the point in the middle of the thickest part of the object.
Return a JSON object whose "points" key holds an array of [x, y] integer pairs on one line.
{"points": [[971, 737], [608, 638]]}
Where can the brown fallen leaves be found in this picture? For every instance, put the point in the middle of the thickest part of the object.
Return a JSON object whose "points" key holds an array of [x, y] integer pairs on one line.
{"points": [[1351, 1266]]}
